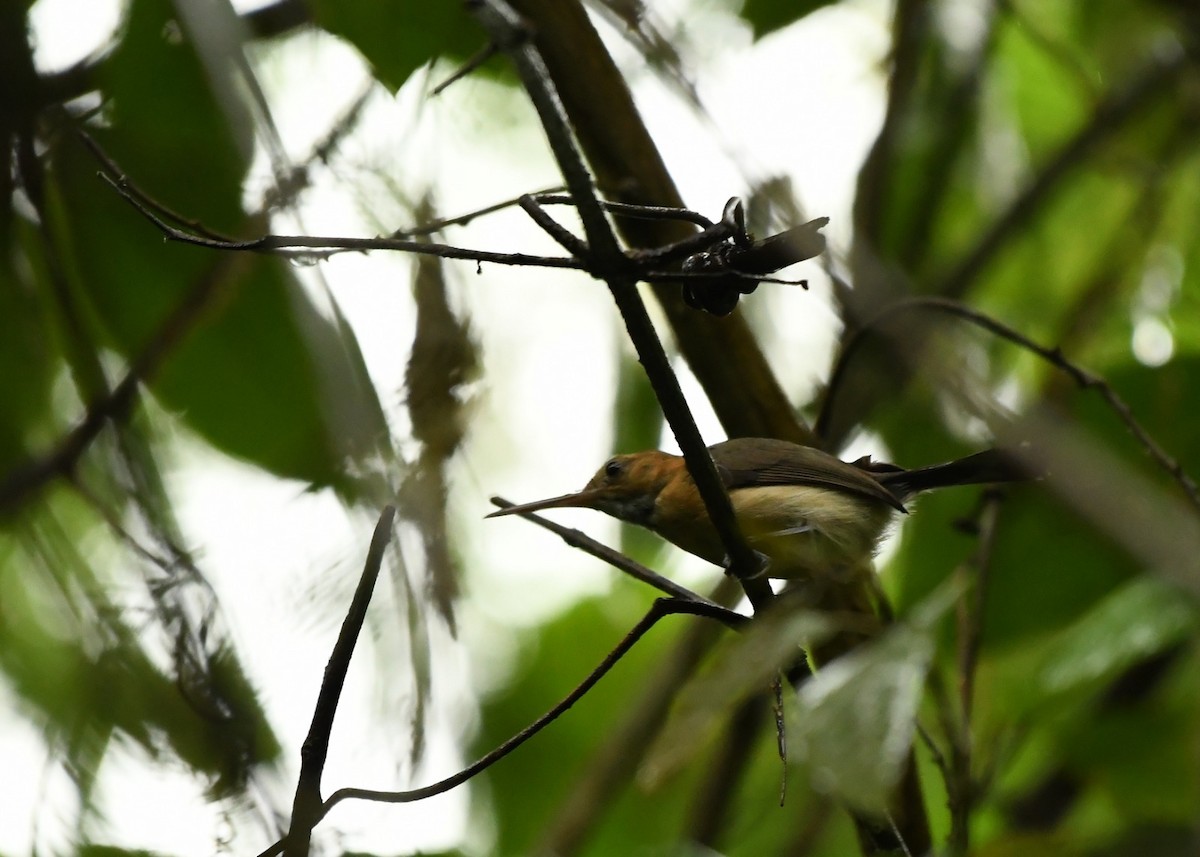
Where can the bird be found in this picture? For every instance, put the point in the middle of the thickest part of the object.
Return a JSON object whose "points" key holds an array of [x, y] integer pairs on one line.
{"points": [[812, 516], [816, 520]]}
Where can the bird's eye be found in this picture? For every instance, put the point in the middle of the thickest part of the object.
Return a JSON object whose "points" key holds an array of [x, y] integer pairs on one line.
{"points": [[613, 468]]}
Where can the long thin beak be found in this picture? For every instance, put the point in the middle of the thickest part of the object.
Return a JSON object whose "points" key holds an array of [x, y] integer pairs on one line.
{"points": [[582, 499]]}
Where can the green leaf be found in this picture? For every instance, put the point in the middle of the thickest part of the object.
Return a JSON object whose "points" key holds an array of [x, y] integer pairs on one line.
{"points": [[1048, 84], [397, 37], [857, 715], [246, 360], [1140, 619], [29, 352], [746, 667], [766, 16]]}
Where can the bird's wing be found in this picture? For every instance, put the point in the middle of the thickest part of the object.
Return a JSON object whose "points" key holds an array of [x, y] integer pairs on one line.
{"points": [[750, 462]]}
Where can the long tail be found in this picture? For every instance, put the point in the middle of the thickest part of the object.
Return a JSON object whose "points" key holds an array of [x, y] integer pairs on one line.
{"points": [[991, 465]]}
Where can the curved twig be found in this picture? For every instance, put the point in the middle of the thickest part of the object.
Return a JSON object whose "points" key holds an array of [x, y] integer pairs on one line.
{"points": [[658, 610], [307, 809], [1084, 379]]}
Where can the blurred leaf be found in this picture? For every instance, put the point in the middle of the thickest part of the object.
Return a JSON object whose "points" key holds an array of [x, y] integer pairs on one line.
{"points": [[253, 367], [857, 714], [161, 101], [745, 667], [1140, 619], [766, 16], [397, 37], [443, 361], [442, 364], [71, 655], [27, 341], [1046, 74]]}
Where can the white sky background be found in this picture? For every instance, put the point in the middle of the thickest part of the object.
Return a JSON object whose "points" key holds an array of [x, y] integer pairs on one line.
{"points": [[805, 102]]}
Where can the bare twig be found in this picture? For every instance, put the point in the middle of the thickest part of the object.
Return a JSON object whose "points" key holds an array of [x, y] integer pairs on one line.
{"points": [[476, 60], [316, 246], [175, 227], [307, 809], [607, 260], [1083, 379], [618, 560], [464, 219], [660, 609]]}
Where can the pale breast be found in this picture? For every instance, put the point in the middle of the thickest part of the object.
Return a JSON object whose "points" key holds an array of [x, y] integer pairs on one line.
{"points": [[809, 531]]}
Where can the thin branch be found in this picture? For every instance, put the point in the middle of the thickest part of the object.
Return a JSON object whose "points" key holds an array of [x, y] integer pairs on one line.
{"points": [[607, 261], [470, 64], [618, 560], [175, 227], [1084, 379], [638, 212], [298, 176], [307, 809], [660, 609], [464, 219], [563, 236], [323, 246]]}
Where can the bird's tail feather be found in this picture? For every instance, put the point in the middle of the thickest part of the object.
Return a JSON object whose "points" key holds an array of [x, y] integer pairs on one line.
{"points": [[991, 465]]}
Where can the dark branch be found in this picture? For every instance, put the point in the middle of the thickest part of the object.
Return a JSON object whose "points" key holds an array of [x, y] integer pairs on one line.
{"points": [[659, 609], [618, 560], [607, 261], [1084, 379], [316, 246], [306, 807]]}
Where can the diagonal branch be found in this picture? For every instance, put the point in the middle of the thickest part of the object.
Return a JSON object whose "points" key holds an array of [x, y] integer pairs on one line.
{"points": [[722, 353], [616, 559], [307, 810], [660, 609], [507, 30], [1084, 379]]}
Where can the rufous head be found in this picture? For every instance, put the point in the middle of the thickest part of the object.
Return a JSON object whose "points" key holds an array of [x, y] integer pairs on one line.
{"points": [[626, 487]]}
